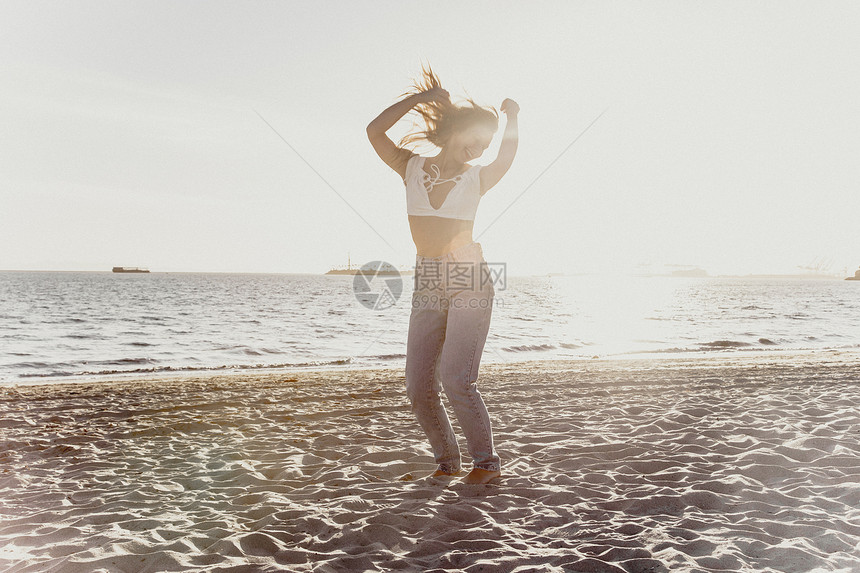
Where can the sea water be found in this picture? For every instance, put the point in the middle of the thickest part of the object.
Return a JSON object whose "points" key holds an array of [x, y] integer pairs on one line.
{"points": [[55, 326]]}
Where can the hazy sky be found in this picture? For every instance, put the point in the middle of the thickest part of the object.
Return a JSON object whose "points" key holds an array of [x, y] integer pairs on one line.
{"points": [[128, 132]]}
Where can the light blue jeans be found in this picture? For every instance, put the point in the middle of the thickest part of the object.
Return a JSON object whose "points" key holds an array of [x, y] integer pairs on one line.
{"points": [[452, 302]]}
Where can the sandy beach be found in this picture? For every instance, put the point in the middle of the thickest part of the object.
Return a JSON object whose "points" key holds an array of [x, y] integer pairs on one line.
{"points": [[730, 463]]}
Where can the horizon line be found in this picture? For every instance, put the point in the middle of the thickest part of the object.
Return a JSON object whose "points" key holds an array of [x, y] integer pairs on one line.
{"points": [[637, 274]]}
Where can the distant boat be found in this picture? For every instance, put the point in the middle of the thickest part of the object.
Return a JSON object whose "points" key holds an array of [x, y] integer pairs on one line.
{"points": [[856, 276], [130, 270]]}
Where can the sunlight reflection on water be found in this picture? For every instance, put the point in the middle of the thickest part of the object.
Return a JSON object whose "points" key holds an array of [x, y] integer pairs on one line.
{"points": [[64, 323]]}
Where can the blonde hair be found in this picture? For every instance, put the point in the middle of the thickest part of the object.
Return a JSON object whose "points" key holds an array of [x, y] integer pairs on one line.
{"points": [[441, 118]]}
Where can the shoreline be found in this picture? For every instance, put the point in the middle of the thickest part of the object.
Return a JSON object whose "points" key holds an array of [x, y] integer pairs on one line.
{"points": [[707, 464], [705, 356]]}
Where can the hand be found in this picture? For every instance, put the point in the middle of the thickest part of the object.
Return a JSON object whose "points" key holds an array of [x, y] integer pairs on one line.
{"points": [[510, 107], [436, 94]]}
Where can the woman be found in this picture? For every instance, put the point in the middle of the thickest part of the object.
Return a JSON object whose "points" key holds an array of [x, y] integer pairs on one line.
{"points": [[453, 297]]}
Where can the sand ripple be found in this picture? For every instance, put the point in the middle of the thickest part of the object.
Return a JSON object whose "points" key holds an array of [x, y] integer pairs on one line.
{"points": [[712, 465]]}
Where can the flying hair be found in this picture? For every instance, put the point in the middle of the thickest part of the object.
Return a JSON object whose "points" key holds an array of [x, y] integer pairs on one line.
{"points": [[444, 118]]}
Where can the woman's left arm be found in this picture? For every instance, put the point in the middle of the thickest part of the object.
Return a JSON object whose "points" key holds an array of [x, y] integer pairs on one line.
{"points": [[492, 173]]}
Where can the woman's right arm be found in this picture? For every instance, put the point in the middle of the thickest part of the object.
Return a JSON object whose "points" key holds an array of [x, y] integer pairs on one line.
{"points": [[393, 156]]}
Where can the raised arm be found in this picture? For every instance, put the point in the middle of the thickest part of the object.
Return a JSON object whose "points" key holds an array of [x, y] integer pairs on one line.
{"points": [[393, 156], [492, 173]]}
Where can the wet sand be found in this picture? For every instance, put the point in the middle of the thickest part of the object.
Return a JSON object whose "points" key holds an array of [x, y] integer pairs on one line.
{"points": [[731, 463]]}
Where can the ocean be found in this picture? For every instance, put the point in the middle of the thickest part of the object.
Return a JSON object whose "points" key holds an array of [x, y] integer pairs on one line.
{"points": [[58, 326]]}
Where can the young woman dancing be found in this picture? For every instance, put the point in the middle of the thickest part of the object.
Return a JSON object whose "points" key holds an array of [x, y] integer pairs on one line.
{"points": [[453, 296]]}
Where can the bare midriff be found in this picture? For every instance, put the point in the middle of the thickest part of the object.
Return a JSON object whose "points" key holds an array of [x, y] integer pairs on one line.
{"points": [[437, 236]]}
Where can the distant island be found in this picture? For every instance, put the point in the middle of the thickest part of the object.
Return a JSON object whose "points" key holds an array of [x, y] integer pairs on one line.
{"points": [[130, 270], [806, 276], [383, 269]]}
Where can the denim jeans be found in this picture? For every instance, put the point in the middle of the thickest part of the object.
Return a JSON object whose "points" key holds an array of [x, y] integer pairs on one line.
{"points": [[452, 302]]}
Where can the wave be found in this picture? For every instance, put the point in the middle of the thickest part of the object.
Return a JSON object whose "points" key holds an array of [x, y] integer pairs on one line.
{"points": [[528, 347], [120, 361], [167, 368], [724, 344], [84, 336], [31, 364], [388, 356]]}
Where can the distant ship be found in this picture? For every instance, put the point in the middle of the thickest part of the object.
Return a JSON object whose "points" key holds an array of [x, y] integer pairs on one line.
{"points": [[856, 276], [384, 270], [130, 270]]}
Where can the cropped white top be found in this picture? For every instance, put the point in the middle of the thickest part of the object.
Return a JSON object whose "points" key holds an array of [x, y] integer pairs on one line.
{"points": [[461, 201]]}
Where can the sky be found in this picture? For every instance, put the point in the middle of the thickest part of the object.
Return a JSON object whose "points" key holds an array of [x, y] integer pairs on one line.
{"points": [[135, 134]]}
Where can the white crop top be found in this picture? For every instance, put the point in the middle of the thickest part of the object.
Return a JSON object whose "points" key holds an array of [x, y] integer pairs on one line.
{"points": [[461, 202]]}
